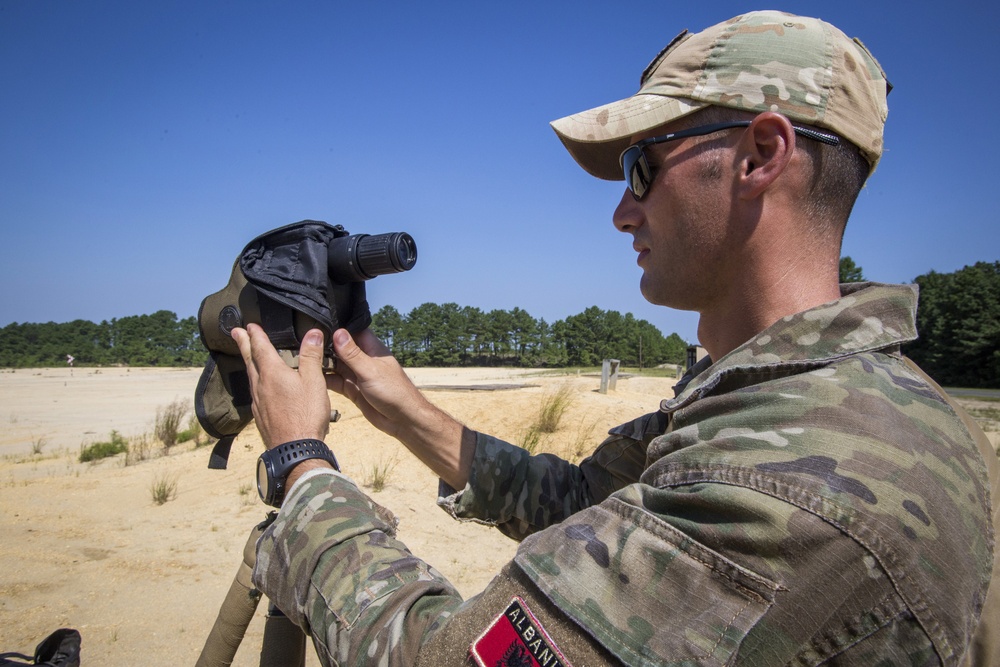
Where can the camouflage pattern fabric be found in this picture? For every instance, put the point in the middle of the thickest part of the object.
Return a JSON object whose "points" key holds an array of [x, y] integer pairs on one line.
{"points": [[807, 499], [801, 67], [547, 490], [331, 563], [811, 456], [985, 647]]}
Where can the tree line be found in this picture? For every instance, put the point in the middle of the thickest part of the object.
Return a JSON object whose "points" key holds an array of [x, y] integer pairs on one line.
{"points": [[959, 325], [429, 335], [453, 335], [958, 320], [159, 339]]}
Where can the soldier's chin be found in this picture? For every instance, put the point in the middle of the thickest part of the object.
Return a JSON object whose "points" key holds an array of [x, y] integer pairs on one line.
{"points": [[651, 292], [662, 295]]}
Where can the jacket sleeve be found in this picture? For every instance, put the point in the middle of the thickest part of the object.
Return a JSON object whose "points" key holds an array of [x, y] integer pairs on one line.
{"points": [[331, 563], [520, 493]]}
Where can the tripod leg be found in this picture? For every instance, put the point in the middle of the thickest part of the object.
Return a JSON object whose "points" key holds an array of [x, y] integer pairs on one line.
{"points": [[284, 643], [237, 609]]}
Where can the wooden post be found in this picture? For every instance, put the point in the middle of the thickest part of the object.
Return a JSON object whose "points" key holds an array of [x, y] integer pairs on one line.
{"points": [[609, 375]]}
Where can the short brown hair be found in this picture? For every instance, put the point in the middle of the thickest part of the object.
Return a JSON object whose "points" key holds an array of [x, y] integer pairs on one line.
{"points": [[838, 172]]}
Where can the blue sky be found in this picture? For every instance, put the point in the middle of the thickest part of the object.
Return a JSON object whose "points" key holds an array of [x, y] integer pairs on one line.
{"points": [[143, 144]]}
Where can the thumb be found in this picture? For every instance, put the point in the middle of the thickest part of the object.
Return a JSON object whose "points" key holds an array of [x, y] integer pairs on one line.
{"points": [[311, 354], [347, 350]]}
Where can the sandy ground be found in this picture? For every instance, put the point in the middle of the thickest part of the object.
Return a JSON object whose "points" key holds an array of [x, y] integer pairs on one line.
{"points": [[85, 546]]}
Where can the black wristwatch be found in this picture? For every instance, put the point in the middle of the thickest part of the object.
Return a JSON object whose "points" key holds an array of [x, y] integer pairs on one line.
{"points": [[274, 465]]}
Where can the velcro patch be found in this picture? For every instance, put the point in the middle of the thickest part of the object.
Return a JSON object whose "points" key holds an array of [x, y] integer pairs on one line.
{"points": [[515, 638]]}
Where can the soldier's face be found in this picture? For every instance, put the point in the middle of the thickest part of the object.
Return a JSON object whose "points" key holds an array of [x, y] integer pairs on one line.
{"points": [[679, 228]]}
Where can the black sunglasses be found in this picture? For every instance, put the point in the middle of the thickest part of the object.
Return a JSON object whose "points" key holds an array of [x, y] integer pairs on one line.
{"points": [[639, 175]]}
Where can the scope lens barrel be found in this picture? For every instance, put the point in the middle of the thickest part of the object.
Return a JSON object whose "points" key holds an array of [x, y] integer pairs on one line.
{"points": [[363, 256]]}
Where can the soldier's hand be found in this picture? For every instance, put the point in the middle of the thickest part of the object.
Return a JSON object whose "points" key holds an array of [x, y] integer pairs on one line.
{"points": [[287, 404], [373, 380]]}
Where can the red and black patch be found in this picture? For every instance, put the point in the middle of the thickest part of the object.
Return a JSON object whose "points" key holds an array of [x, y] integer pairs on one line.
{"points": [[516, 639]]}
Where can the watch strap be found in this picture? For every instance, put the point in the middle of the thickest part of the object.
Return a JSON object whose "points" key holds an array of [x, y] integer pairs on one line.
{"points": [[280, 460], [290, 454]]}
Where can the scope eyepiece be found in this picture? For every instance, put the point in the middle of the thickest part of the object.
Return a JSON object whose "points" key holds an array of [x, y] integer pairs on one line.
{"points": [[363, 256]]}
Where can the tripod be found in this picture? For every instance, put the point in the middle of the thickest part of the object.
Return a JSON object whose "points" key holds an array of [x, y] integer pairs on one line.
{"points": [[284, 643]]}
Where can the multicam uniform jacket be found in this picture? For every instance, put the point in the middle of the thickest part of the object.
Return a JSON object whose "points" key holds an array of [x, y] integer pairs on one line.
{"points": [[807, 499]]}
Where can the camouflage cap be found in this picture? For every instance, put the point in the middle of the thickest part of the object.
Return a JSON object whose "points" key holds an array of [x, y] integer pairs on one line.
{"points": [[801, 67]]}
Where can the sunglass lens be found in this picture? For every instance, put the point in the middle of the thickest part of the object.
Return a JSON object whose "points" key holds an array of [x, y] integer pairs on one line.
{"points": [[637, 176]]}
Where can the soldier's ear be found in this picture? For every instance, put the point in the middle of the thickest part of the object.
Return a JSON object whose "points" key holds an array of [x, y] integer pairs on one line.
{"points": [[765, 150]]}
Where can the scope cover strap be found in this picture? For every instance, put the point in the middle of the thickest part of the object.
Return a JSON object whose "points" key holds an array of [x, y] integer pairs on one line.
{"points": [[278, 320]]}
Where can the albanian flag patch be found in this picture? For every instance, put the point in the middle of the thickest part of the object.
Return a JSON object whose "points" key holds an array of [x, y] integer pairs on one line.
{"points": [[515, 638]]}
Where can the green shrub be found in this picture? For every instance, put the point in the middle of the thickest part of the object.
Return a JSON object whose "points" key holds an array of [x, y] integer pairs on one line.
{"points": [[102, 450], [194, 431]]}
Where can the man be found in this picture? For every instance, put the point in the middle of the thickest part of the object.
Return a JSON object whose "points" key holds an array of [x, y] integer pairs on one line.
{"points": [[807, 497]]}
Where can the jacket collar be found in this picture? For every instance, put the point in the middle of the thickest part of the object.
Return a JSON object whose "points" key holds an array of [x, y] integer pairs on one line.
{"points": [[867, 317]]}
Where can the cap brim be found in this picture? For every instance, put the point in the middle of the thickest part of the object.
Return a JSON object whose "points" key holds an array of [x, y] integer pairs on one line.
{"points": [[596, 137]]}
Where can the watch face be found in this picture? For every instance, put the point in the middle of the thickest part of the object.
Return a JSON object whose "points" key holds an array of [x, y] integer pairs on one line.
{"points": [[262, 480]]}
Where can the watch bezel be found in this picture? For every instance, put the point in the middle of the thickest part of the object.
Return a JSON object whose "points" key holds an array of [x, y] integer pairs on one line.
{"points": [[264, 473]]}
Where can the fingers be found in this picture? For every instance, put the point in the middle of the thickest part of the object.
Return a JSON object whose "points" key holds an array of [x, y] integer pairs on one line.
{"points": [[287, 404], [257, 351], [242, 339], [358, 352], [337, 382], [311, 357], [242, 342], [253, 344]]}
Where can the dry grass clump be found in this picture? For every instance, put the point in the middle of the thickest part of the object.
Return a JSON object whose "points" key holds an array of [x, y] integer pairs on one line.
{"points": [[378, 474], [247, 498], [548, 418], [168, 422], [163, 489], [140, 448], [582, 443], [553, 407]]}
